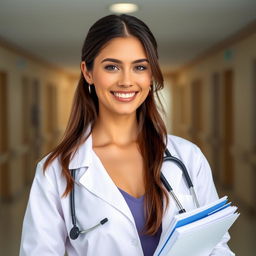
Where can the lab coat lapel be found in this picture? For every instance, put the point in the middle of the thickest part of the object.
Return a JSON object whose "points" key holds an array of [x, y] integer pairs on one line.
{"points": [[98, 182]]}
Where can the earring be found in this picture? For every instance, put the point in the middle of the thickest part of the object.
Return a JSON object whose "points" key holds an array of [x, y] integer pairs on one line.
{"points": [[89, 88]]}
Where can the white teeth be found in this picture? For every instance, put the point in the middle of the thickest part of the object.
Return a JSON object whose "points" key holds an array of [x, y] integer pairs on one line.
{"points": [[124, 95]]}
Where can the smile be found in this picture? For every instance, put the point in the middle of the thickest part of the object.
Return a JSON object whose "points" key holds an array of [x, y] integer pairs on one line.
{"points": [[124, 96]]}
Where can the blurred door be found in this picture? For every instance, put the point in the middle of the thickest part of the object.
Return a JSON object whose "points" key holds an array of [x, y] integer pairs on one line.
{"points": [[197, 117], [27, 103], [35, 121], [254, 129], [228, 134], [253, 99], [181, 110], [51, 116], [215, 125], [4, 147]]}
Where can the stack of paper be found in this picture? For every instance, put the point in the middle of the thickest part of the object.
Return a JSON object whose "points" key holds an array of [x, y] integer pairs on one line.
{"points": [[197, 232]]}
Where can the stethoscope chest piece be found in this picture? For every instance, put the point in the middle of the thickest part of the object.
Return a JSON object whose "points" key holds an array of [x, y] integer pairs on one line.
{"points": [[74, 233]]}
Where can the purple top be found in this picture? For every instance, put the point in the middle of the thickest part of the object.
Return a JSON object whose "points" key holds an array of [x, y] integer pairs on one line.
{"points": [[136, 205]]}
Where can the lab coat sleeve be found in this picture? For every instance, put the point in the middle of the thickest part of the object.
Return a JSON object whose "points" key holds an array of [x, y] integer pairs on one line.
{"points": [[43, 231], [206, 192]]}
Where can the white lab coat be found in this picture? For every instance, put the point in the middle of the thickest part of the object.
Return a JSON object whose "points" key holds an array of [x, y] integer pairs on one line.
{"points": [[47, 220]]}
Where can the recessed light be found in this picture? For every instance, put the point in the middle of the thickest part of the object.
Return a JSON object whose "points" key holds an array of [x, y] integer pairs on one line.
{"points": [[123, 8]]}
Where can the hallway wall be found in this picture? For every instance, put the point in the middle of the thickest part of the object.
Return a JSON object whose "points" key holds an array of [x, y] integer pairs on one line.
{"points": [[214, 104], [35, 104]]}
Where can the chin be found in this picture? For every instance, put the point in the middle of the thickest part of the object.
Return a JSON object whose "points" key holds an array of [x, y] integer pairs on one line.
{"points": [[125, 112]]}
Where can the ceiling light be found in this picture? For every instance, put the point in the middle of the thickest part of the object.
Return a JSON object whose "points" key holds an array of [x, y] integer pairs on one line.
{"points": [[123, 8]]}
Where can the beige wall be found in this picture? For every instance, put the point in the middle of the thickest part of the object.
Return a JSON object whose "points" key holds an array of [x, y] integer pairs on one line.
{"points": [[244, 104], [17, 67], [165, 96]]}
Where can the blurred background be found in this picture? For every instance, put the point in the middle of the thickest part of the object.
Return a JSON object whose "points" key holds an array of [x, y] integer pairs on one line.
{"points": [[207, 53]]}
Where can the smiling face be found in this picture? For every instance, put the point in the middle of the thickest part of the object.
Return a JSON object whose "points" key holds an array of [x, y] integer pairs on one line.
{"points": [[121, 75]]}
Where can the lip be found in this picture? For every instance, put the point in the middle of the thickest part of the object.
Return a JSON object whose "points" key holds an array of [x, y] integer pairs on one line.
{"points": [[124, 99], [123, 91]]}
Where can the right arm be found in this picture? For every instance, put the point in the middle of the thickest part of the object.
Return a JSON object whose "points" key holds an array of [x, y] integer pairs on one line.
{"points": [[43, 231]]}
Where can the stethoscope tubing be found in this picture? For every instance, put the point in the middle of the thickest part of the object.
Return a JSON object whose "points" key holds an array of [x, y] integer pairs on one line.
{"points": [[167, 185], [75, 232], [72, 198], [180, 164]]}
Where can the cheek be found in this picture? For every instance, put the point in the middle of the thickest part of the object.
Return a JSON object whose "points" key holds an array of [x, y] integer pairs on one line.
{"points": [[144, 79], [145, 82], [103, 80]]}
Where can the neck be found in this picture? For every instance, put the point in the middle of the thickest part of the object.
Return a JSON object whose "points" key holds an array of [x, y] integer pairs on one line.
{"points": [[119, 130]]}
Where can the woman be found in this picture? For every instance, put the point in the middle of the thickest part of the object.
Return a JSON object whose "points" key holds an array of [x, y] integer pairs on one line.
{"points": [[115, 142]]}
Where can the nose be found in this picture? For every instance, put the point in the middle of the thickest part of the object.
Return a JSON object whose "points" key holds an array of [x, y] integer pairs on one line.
{"points": [[125, 79]]}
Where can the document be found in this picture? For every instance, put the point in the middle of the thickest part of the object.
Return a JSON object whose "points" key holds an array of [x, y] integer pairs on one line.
{"points": [[197, 232]]}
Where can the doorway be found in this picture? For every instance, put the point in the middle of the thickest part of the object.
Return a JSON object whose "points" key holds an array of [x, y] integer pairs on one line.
{"points": [[28, 161], [4, 143], [253, 99], [228, 128], [215, 125], [197, 117], [35, 121], [51, 116]]}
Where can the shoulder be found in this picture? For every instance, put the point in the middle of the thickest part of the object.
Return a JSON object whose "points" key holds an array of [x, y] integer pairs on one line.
{"points": [[53, 166], [178, 145], [189, 153], [49, 177]]}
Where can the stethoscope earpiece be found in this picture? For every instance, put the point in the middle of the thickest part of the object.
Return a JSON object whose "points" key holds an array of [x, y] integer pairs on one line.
{"points": [[74, 233]]}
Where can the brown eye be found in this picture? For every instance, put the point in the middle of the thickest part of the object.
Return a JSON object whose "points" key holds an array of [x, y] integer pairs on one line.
{"points": [[141, 68], [110, 67]]}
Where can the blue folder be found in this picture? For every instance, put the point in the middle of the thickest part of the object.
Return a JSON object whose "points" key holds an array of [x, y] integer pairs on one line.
{"points": [[200, 215]]}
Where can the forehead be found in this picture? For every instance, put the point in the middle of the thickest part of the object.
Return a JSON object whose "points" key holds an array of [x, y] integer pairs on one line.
{"points": [[126, 48]]}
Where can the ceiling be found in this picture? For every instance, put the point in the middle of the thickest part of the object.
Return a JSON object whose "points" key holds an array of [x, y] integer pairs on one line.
{"points": [[54, 30]]}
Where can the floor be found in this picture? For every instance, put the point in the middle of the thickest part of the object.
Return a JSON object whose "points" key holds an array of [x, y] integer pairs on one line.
{"points": [[243, 232]]}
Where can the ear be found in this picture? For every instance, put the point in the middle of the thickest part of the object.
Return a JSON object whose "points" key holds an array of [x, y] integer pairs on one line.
{"points": [[87, 74]]}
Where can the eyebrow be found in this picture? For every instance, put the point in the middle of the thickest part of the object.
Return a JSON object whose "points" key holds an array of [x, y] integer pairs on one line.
{"points": [[119, 61]]}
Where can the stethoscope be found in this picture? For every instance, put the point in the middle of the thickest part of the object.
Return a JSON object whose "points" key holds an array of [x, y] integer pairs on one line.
{"points": [[75, 231]]}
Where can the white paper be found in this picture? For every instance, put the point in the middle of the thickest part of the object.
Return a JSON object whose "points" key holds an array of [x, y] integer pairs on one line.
{"points": [[199, 237], [199, 241]]}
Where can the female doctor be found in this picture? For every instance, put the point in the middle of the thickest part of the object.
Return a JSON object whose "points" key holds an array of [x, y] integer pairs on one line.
{"points": [[111, 157]]}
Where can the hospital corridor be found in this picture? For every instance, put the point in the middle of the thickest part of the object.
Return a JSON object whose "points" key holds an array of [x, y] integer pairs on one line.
{"points": [[207, 53]]}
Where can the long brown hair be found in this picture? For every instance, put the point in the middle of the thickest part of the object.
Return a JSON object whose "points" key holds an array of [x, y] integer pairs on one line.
{"points": [[152, 135]]}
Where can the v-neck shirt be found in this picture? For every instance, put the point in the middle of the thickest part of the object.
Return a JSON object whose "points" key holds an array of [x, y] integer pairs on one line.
{"points": [[136, 205]]}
